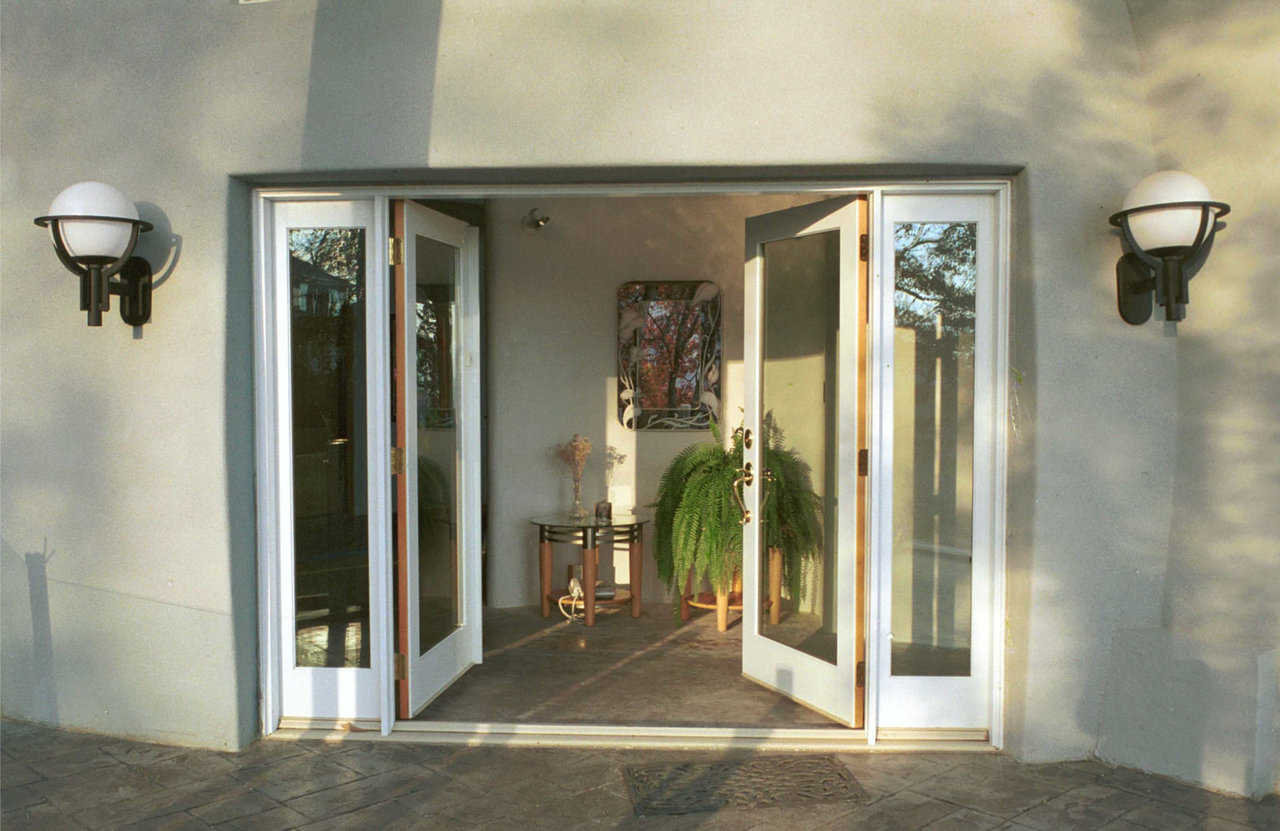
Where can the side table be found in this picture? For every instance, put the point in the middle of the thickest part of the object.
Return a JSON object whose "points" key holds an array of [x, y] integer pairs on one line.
{"points": [[588, 532]]}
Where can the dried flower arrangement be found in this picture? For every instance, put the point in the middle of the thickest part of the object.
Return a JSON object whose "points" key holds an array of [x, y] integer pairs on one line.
{"points": [[574, 454]]}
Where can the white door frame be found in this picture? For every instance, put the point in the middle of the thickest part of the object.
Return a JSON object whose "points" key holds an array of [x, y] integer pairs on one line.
{"points": [[274, 442], [958, 699], [267, 419]]}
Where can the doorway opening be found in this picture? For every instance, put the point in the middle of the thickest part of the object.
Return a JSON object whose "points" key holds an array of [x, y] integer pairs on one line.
{"points": [[474, 347]]}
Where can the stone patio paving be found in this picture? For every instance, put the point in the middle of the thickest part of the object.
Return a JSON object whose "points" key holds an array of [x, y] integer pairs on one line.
{"points": [[64, 780]]}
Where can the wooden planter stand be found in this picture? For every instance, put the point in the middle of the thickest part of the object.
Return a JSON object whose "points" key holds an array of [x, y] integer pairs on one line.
{"points": [[725, 602]]}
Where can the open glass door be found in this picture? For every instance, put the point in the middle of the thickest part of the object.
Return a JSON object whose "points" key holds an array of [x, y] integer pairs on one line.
{"points": [[437, 415], [935, 494], [803, 312]]}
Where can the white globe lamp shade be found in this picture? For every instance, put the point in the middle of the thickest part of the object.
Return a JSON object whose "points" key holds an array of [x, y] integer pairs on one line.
{"points": [[92, 238], [1168, 227]]}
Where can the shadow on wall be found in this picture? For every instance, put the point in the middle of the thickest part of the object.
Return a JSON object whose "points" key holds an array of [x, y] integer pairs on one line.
{"points": [[1210, 86], [1076, 373], [39, 684], [372, 81], [239, 455], [369, 101]]}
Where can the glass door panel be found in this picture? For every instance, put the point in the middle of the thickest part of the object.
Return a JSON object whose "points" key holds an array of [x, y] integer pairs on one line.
{"points": [[934, 297], [799, 629], [435, 277], [321, 262], [936, 660], [330, 508], [437, 415], [799, 385]]}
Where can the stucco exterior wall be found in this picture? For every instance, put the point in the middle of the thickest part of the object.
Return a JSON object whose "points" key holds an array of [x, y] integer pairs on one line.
{"points": [[130, 459], [1210, 81]]}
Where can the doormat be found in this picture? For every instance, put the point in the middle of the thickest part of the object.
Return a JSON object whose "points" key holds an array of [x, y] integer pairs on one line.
{"points": [[756, 782]]}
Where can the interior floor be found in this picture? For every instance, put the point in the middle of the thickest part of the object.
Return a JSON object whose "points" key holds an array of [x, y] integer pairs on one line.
{"points": [[649, 670]]}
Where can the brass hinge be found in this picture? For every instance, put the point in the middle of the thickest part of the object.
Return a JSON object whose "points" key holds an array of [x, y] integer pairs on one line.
{"points": [[864, 247], [860, 674], [395, 251], [397, 461], [402, 667], [864, 461]]}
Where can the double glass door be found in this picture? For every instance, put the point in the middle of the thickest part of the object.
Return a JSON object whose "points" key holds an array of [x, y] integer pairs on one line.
{"points": [[878, 393], [377, 450]]}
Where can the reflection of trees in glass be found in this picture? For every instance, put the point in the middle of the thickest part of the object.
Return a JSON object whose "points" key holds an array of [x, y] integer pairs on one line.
{"points": [[327, 281], [935, 288], [331, 589], [935, 273], [435, 355], [668, 354]]}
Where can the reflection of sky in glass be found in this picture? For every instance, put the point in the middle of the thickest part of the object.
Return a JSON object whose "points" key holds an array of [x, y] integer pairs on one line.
{"points": [[935, 271]]}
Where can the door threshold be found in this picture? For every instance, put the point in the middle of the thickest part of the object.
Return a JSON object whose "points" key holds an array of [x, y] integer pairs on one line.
{"points": [[646, 736]]}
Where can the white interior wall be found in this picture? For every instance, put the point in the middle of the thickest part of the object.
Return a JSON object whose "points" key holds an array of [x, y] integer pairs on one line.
{"points": [[130, 459], [552, 358]]}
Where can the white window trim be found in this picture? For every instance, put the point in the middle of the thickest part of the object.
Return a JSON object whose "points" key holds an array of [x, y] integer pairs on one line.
{"points": [[267, 422]]}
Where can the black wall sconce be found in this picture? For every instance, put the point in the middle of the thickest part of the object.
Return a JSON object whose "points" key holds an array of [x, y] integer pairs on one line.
{"points": [[535, 220], [1168, 222], [95, 229]]}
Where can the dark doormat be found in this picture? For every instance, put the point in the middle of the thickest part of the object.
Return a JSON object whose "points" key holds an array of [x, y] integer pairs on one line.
{"points": [[755, 782]]}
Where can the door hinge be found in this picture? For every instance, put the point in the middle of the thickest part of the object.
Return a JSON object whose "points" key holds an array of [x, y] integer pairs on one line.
{"points": [[864, 247], [402, 667], [864, 461], [395, 251], [397, 461], [860, 674]]}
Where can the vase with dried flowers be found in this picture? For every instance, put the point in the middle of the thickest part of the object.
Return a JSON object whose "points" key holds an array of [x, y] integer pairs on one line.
{"points": [[574, 454]]}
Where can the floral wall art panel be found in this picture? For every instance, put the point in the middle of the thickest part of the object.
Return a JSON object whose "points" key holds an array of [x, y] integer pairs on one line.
{"points": [[668, 355]]}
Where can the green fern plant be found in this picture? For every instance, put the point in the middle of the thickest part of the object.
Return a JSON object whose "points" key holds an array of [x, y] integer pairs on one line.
{"points": [[698, 521]]}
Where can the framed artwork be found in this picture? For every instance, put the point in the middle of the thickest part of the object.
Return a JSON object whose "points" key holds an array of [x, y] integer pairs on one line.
{"points": [[668, 355]]}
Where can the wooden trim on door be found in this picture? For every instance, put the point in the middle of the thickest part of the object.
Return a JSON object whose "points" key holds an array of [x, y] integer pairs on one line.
{"points": [[860, 512], [399, 308]]}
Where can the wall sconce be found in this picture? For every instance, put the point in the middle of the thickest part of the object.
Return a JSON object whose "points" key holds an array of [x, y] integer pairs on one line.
{"points": [[95, 228], [535, 220], [1168, 222]]}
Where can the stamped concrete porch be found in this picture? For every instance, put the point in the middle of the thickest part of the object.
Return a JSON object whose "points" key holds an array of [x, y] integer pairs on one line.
{"points": [[64, 780]]}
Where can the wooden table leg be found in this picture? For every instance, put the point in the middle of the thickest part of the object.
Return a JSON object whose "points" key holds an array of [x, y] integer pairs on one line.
{"points": [[637, 571], [589, 564], [775, 585], [544, 575]]}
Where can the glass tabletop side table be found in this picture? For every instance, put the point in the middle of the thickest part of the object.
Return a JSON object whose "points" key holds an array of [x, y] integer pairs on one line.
{"points": [[589, 532]]}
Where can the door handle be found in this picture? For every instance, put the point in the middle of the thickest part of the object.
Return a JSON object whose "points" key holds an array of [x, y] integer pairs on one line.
{"points": [[745, 477]]}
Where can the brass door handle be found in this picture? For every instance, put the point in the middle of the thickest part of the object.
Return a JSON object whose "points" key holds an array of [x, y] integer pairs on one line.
{"points": [[745, 477]]}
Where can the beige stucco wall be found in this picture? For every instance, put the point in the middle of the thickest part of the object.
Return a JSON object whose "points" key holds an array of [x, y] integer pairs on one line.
{"points": [[1211, 82], [131, 459]]}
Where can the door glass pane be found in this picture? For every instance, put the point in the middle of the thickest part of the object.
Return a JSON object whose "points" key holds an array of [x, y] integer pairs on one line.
{"points": [[435, 303], [935, 267], [330, 501], [798, 521]]}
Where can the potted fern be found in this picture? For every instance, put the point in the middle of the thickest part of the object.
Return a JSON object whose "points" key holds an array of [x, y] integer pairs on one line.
{"points": [[699, 521]]}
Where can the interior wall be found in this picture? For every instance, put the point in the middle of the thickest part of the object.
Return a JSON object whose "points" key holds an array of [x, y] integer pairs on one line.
{"points": [[126, 465], [552, 359]]}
